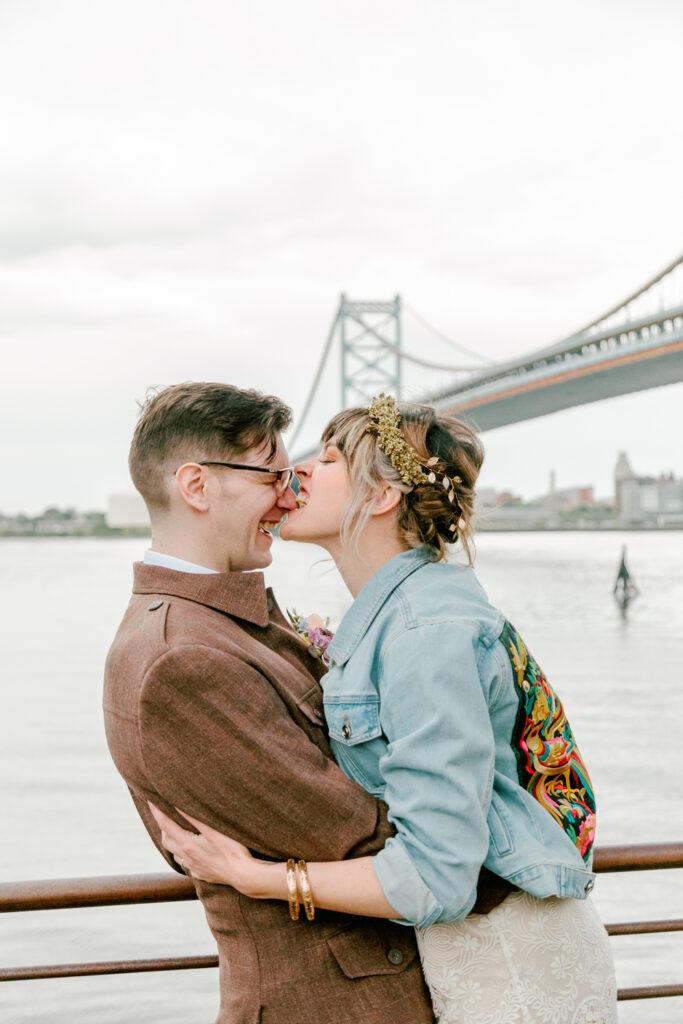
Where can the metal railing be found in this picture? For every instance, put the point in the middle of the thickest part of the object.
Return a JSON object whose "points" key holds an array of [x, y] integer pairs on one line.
{"points": [[114, 890]]}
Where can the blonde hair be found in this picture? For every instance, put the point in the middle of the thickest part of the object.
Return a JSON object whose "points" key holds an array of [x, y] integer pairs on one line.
{"points": [[425, 512]]}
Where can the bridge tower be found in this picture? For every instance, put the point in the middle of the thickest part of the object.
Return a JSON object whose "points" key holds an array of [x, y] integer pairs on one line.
{"points": [[370, 334], [372, 355]]}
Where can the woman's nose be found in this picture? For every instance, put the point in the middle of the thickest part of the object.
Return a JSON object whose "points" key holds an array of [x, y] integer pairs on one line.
{"points": [[304, 469], [287, 500]]}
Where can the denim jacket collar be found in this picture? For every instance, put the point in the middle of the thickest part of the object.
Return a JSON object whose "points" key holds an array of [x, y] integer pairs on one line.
{"points": [[367, 605]]}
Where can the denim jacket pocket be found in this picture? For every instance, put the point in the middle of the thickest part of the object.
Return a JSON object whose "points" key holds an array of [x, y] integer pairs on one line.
{"points": [[353, 720]]}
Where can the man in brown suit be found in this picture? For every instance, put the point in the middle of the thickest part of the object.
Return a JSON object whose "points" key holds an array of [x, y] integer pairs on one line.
{"points": [[213, 704]]}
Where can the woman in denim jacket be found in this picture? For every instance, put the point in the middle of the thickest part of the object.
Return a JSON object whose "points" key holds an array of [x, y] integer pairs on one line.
{"points": [[435, 705]]}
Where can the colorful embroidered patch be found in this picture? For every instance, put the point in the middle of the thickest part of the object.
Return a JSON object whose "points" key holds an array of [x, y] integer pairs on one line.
{"points": [[549, 764]]}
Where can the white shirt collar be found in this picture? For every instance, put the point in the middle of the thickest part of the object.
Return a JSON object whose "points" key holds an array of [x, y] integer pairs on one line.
{"points": [[171, 562]]}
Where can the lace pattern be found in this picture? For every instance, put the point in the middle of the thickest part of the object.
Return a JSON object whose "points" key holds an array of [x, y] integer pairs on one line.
{"points": [[529, 961]]}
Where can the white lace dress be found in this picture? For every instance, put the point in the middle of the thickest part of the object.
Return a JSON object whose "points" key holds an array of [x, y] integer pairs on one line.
{"points": [[529, 961]]}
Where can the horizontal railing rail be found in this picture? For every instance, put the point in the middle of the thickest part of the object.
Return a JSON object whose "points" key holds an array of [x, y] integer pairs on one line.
{"points": [[176, 963], [98, 891], [114, 890]]}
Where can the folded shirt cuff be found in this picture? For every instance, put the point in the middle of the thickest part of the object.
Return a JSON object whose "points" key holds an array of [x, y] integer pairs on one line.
{"points": [[403, 887]]}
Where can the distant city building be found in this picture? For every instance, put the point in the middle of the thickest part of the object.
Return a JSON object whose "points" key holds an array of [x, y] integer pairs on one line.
{"points": [[656, 501], [515, 516], [561, 508], [503, 510], [565, 499], [485, 498], [623, 472], [127, 511], [54, 522]]}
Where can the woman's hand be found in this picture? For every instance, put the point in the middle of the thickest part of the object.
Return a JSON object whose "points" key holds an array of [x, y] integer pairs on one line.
{"points": [[350, 886], [209, 855]]}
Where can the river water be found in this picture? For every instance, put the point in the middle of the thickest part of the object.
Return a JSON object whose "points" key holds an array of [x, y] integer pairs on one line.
{"points": [[65, 811]]}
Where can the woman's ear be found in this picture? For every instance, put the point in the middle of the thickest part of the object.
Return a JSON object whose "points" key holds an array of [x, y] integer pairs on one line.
{"points": [[387, 500], [191, 483]]}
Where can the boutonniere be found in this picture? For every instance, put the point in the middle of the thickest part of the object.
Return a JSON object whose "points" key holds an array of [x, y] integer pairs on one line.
{"points": [[313, 631]]}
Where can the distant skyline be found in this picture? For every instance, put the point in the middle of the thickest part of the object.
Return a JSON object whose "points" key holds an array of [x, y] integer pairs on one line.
{"points": [[187, 189], [560, 485]]}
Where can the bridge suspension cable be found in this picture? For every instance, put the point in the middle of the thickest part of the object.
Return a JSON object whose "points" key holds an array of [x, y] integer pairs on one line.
{"points": [[316, 380], [625, 303], [444, 337], [405, 355]]}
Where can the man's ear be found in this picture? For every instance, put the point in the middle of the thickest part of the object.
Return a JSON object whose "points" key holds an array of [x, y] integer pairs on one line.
{"points": [[387, 500], [191, 481]]}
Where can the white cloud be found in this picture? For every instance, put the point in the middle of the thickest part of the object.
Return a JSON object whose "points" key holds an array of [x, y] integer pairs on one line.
{"points": [[187, 189]]}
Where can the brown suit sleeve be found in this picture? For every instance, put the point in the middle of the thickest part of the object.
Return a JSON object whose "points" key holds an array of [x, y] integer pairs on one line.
{"points": [[219, 743]]}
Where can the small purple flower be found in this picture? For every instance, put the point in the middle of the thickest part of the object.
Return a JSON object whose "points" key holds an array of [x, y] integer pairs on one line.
{"points": [[320, 637], [316, 637]]}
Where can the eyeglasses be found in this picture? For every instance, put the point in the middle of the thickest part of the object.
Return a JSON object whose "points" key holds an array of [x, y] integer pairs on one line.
{"points": [[280, 478]]}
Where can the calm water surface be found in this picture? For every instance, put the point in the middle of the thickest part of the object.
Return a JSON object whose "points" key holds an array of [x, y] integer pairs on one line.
{"points": [[66, 812]]}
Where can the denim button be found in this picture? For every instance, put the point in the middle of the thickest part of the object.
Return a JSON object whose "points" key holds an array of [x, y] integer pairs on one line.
{"points": [[589, 886], [395, 956]]}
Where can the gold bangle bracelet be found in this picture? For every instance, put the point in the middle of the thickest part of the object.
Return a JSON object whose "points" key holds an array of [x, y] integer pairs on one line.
{"points": [[292, 890], [306, 893]]}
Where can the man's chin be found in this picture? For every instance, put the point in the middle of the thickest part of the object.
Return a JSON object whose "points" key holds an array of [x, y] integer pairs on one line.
{"points": [[256, 560]]}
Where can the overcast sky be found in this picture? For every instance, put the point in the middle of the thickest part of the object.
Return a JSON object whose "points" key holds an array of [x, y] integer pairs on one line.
{"points": [[186, 188]]}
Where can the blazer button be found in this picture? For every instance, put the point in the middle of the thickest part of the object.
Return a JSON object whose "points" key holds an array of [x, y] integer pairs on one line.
{"points": [[318, 713], [270, 604], [154, 605], [395, 957]]}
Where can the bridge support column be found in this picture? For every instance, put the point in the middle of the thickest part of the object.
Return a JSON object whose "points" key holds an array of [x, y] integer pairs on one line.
{"points": [[370, 334]]}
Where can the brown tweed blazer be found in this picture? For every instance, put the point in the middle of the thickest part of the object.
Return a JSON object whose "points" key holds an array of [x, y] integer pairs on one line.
{"points": [[212, 704]]}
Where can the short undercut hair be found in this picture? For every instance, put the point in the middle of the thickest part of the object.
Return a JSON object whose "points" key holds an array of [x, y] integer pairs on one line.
{"points": [[194, 421]]}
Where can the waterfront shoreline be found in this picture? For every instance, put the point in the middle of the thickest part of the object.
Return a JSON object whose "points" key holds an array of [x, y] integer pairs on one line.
{"points": [[593, 528], [638, 528]]}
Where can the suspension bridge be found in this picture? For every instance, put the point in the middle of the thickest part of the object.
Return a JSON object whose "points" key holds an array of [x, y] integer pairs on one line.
{"points": [[635, 345]]}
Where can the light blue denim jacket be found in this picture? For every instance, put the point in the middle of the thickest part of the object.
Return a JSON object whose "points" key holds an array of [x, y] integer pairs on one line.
{"points": [[429, 709]]}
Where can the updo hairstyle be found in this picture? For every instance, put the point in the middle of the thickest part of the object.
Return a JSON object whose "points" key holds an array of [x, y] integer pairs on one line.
{"points": [[425, 512]]}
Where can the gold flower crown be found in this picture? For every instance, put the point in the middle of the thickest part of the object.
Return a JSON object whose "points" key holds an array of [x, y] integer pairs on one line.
{"points": [[386, 425], [386, 418]]}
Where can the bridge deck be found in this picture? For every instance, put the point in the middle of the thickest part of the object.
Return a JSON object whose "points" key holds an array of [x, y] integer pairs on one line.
{"points": [[537, 393]]}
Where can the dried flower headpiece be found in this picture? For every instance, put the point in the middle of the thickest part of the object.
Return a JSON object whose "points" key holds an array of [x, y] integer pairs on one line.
{"points": [[384, 412], [387, 419]]}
